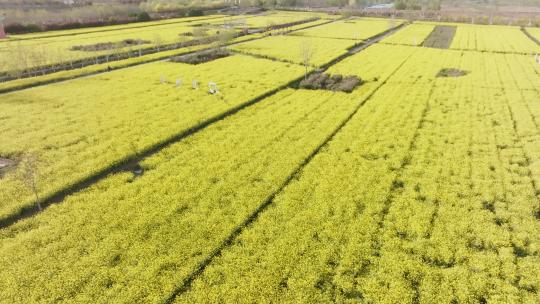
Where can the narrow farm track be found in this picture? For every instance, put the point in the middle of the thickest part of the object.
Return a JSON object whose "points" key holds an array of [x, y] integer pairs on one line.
{"points": [[131, 161], [186, 283]]}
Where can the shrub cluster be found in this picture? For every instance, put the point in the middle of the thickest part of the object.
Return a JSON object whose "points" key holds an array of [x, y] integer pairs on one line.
{"points": [[324, 81], [451, 72], [109, 45], [202, 56]]}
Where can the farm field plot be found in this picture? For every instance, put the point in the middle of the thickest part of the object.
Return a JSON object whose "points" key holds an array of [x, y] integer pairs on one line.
{"points": [[438, 205], [92, 123], [414, 34], [355, 28], [493, 38], [22, 54], [7, 86], [294, 49], [25, 54], [209, 184], [421, 185]]}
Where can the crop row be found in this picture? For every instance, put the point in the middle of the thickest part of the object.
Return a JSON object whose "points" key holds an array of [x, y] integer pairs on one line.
{"points": [[77, 128], [131, 238], [30, 53], [276, 18], [427, 195], [61, 75]]}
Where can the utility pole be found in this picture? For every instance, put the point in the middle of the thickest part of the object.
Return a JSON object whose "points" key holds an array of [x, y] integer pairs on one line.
{"points": [[2, 32]]}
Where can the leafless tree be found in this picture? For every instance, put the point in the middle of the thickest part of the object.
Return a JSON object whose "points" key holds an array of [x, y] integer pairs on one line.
{"points": [[225, 37], [158, 42], [30, 175], [306, 51], [139, 49], [200, 32]]}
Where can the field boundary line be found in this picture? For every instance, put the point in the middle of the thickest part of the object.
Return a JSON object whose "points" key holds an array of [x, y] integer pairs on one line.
{"points": [[463, 50], [186, 283], [524, 30]]}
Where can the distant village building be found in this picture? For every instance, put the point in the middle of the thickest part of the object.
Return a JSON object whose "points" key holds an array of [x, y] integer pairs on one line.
{"points": [[388, 6], [69, 2]]}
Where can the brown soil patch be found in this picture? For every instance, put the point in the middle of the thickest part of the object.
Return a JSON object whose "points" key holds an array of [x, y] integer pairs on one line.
{"points": [[441, 37], [320, 81], [452, 73], [5, 165]]}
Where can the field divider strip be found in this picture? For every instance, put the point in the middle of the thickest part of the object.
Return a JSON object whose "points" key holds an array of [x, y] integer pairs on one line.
{"points": [[464, 50], [111, 30], [198, 270], [524, 30], [131, 160]]}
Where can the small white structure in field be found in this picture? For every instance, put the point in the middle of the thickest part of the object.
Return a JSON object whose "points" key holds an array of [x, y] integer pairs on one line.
{"points": [[178, 82], [195, 84], [162, 79], [213, 88]]}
